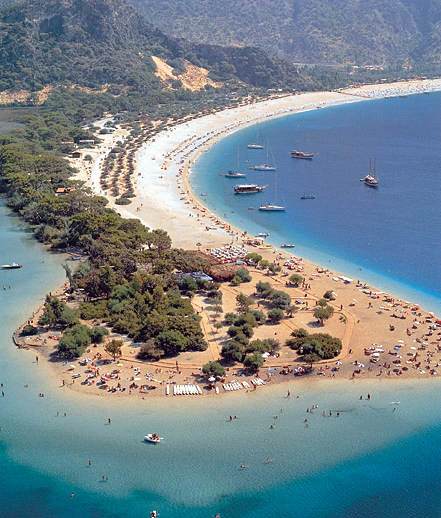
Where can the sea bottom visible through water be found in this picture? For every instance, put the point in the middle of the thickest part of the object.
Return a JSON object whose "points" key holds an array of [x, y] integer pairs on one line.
{"points": [[386, 236], [377, 457]]}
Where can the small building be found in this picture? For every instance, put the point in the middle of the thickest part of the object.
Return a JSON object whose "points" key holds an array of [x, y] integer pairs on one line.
{"points": [[76, 154]]}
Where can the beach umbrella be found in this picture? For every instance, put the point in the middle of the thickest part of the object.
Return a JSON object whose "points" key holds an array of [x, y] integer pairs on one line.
{"points": [[211, 379]]}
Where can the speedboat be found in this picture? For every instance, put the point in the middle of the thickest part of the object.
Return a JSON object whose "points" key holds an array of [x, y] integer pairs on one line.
{"points": [[154, 514], [12, 266], [153, 438], [287, 245], [269, 207], [255, 146], [307, 197], [263, 234]]}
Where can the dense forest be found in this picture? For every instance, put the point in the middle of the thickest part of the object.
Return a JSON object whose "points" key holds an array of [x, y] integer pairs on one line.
{"points": [[378, 32]]}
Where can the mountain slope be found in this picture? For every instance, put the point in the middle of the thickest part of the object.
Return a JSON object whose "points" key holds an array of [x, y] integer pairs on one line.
{"points": [[309, 31], [106, 42]]}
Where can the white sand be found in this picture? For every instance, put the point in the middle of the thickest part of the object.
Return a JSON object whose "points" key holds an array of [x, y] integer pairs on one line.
{"points": [[164, 199]]}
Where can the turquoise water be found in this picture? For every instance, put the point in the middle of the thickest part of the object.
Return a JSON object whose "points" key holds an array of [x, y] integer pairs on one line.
{"points": [[372, 460], [387, 236]]}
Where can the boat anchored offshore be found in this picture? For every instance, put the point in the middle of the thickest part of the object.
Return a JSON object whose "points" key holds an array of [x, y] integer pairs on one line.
{"points": [[371, 179], [154, 514], [153, 438], [263, 167], [255, 146], [302, 155], [307, 197], [251, 188], [12, 266], [234, 174], [287, 245], [269, 207]]}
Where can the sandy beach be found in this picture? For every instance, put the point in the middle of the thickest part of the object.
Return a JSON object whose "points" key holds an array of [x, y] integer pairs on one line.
{"points": [[407, 337]]}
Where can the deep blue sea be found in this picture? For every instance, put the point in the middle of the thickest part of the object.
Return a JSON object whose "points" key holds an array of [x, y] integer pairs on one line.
{"points": [[388, 236], [372, 461]]}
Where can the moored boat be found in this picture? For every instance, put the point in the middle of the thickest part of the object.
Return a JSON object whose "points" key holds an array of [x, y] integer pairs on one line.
{"points": [[255, 146], [287, 245], [302, 155], [263, 234], [263, 167], [12, 266], [371, 179], [307, 197], [251, 188], [269, 207], [234, 174], [153, 438]]}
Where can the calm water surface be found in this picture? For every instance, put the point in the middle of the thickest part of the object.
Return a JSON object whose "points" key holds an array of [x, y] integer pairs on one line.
{"points": [[370, 461]]}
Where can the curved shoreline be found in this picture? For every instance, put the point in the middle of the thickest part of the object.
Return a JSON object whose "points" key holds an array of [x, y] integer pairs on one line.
{"points": [[188, 146], [165, 199]]}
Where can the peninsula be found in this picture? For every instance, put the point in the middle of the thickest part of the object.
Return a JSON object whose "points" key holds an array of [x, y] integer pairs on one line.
{"points": [[265, 315]]}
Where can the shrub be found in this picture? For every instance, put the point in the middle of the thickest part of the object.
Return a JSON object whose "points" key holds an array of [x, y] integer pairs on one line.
{"points": [[123, 200], [264, 289], [253, 362], [280, 300], [322, 313], [259, 316], [97, 334], [74, 341], [296, 279], [233, 351], [329, 295], [171, 342], [213, 368], [29, 330], [93, 310], [149, 351], [275, 315], [114, 348]]}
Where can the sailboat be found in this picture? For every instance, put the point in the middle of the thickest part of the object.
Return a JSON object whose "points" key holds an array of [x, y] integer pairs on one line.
{"points": [[255, 145], [237, 173], [266, 167], [273, 207], [371, 179]]}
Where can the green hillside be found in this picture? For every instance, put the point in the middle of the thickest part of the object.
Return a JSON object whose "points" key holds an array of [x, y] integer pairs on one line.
{"points": [[378, 32], [105, 42]]}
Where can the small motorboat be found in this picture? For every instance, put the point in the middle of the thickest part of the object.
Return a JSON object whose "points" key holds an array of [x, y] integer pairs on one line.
{"points": [[153, 438], [154, 514], [287, 245], [263, 234], [12, 266], [307, 197]]}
